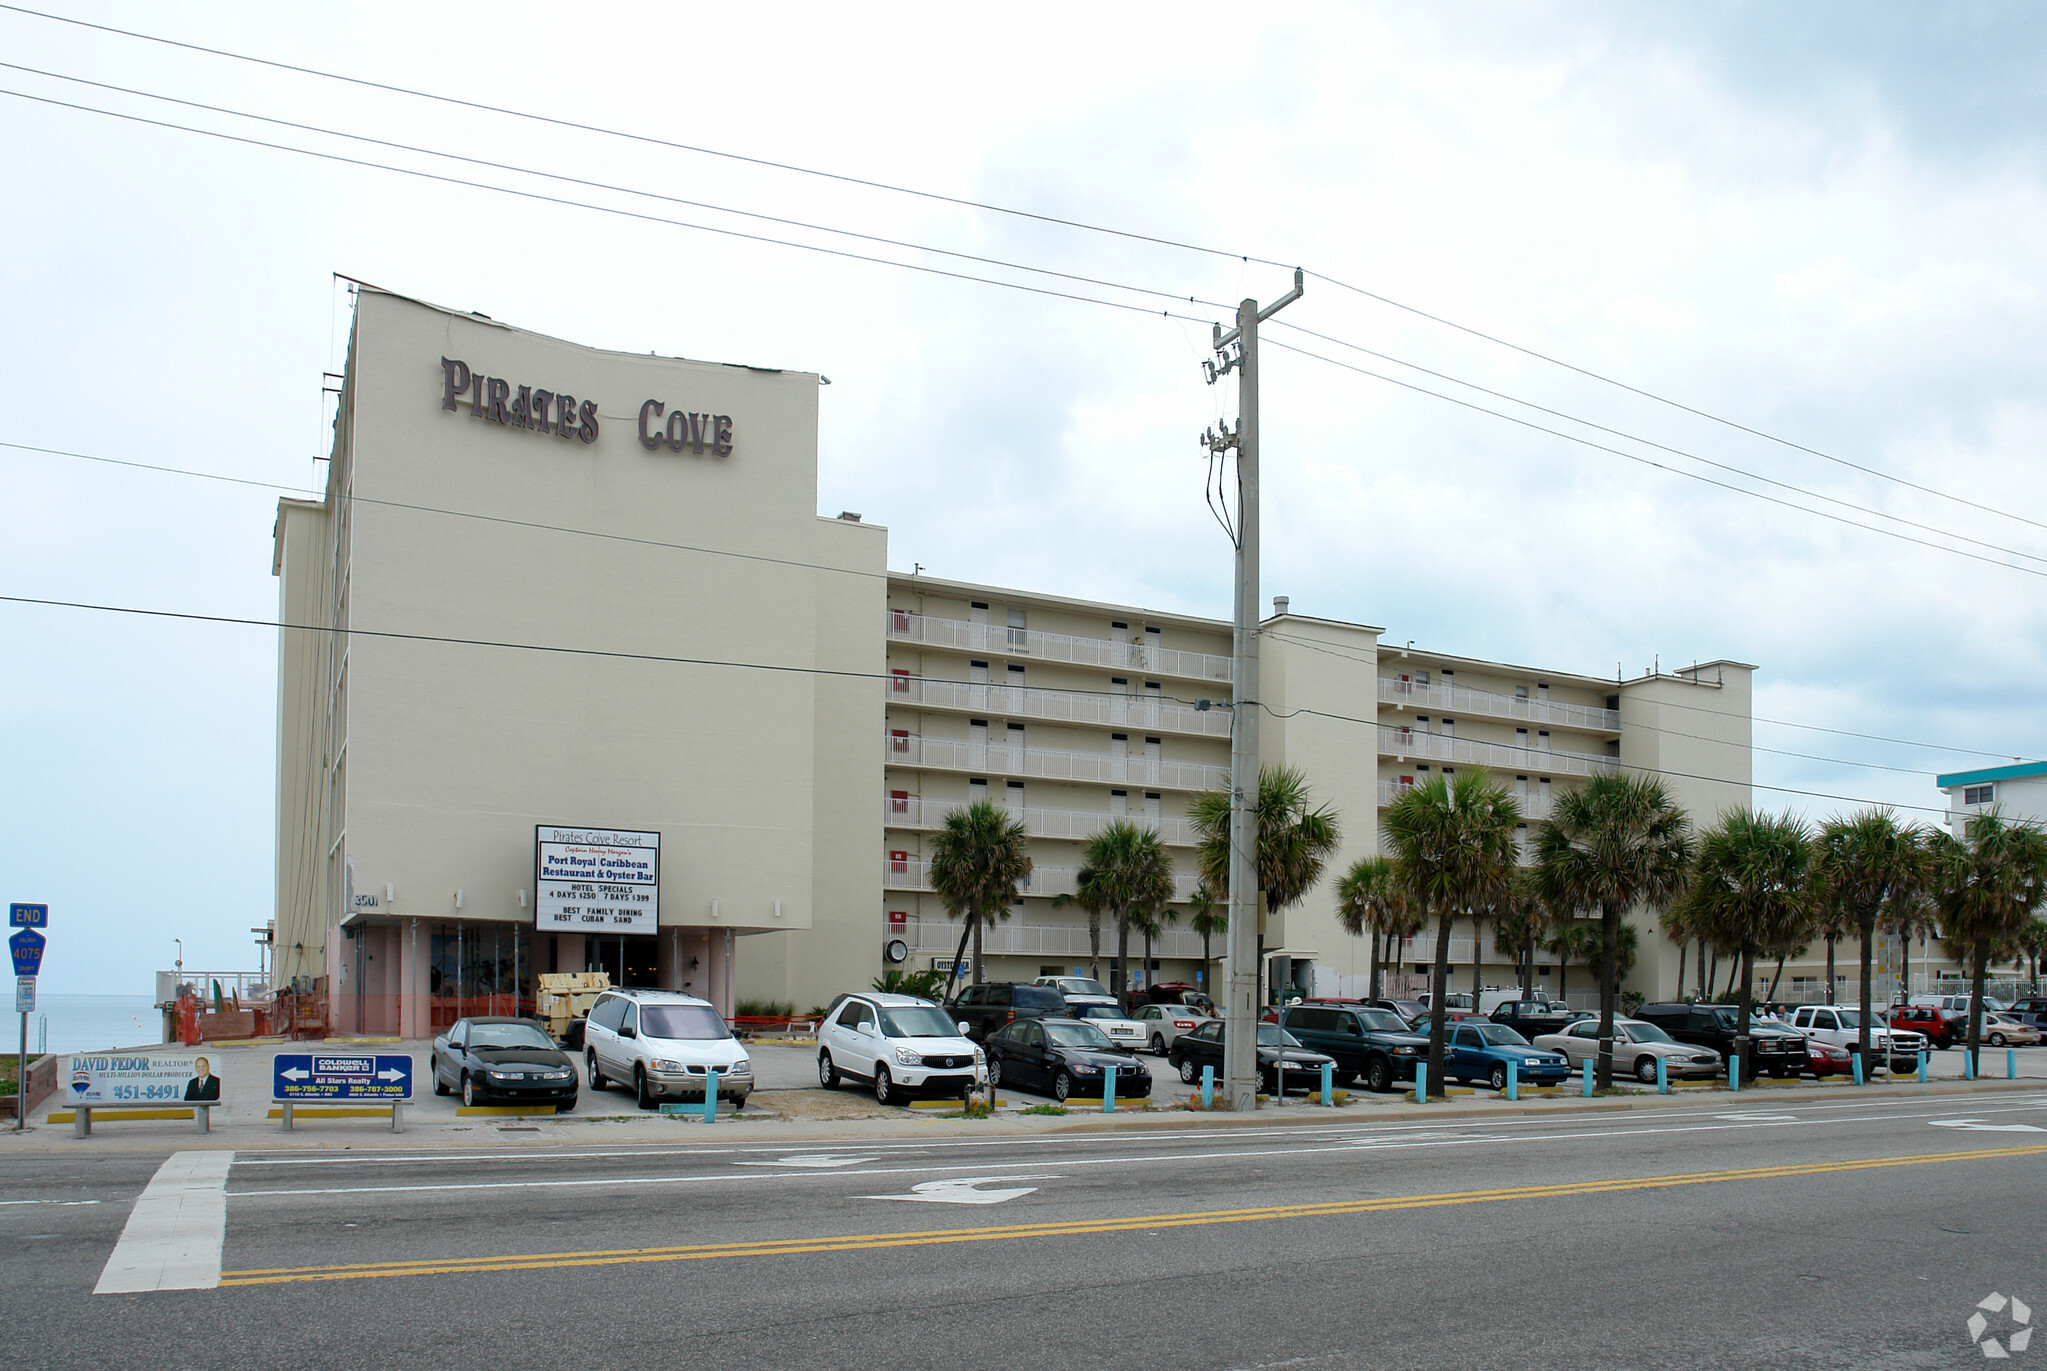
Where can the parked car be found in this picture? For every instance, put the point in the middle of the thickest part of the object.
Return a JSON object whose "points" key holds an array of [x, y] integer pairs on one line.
{"points": [[1180, 993], [1122, 1031], [2032, 1010], [1458, 1004], [1533, 1018], [985, 1008], [1637, 1046], [1480, 1050], [1842, 1026], [1414, 1011], [899, 1044], [1078, 989], [1164, 1023], [1774, 1049], [503, 1061], [2008, 1030], [663, 1044], [1958, 1003], [1062, 1057], [1928, 1022], [1376, 1044], [1204, 1047]]}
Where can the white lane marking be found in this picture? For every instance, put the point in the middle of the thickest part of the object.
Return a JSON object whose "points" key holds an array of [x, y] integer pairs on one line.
{"points": [[961, 1190], [818, 1161], [1760, 1118], [1978, 1126], [175, 1231], [8, 1202]]}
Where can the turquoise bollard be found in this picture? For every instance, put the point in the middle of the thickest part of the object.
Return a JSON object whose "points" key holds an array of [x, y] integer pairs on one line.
{"points": [[1586, 1088], [1513, 1080], [1662, 1077], [1208, 1087], [711, 1096], [1855, 1065], [2011, 1063], [1923, 1055], [1421, 1082], [1329, 1084]]}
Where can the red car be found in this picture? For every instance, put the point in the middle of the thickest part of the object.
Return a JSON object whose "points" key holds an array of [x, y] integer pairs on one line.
{"points": [[1825, 1059], [1924, 1019]]}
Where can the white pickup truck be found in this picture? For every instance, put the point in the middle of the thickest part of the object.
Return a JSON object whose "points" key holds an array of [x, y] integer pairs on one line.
{"points": [[1841, 1026]]}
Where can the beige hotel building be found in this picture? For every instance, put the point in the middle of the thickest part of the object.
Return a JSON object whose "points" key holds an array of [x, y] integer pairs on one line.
{"points": [[575, 677]]}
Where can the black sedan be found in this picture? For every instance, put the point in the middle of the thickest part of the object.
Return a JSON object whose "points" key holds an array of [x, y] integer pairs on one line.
{"points": [[504, 1061], [1204, 1047], [1062, 1057]]}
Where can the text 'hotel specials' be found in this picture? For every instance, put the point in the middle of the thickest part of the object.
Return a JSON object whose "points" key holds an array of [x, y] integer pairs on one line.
{"points": [[548, 411]]}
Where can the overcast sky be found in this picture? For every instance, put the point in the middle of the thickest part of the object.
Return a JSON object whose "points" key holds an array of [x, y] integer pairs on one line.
{"points": [[1822, 221]]}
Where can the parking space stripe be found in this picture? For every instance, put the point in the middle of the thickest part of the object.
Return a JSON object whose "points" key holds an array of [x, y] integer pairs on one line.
{"points": [[1084, 1227], [174, 1233]]}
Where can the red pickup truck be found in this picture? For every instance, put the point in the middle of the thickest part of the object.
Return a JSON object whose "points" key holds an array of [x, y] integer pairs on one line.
{"points": [[1924, 1019]]}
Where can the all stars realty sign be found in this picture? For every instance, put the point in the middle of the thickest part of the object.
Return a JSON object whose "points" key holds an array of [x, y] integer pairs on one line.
{"points": [[596, 880]]}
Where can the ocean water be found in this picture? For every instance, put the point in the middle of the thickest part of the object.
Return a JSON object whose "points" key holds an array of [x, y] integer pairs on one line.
{"points": [[85, 1023]]}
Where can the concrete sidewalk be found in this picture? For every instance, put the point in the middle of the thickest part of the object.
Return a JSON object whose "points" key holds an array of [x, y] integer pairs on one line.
{"points": [[787, 1107]]}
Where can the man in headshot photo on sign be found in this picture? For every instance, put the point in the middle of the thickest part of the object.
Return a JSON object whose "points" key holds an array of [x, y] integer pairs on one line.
{"points": [[205, 1085]]}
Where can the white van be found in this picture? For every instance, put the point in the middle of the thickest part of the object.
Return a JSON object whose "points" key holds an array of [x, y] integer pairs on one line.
{"points": [[664, 1045]]}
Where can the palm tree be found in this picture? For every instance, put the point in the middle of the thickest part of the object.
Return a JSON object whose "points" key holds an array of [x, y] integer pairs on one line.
{"points": [[1867, 866], [1454, 847], [1677, 927], [978, 859], [1519, 923], [2032, 942], [1371, 897], [1207, 916], [1124, 870], [1752, 890], [1613, 843], [1294, 840], [1987, 887], [1152, 921]]}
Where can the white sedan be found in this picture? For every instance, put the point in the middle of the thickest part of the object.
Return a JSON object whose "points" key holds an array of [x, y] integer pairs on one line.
{"points": [[1164, 1023], [1125, 1033], [1636, 1046]]}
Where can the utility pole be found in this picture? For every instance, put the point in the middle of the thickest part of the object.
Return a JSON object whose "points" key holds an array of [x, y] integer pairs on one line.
{"points": [[1243, 999]]}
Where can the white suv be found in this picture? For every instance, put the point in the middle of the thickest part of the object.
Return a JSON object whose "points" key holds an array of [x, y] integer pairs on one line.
{"points": [[1841, 1026], [900, 1043], [664, 1045], [1079, 990]]}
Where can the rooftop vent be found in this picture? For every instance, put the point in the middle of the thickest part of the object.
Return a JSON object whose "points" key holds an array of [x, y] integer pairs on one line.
{"points": [[1279, 604], [849, 516]]}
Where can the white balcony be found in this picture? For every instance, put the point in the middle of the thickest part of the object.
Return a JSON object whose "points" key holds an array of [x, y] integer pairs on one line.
{"points": [[915, 812], [914, 873], [1060, 706], [1533, 804], [1062, 942], [1490, 705], [998, 640], [1051, 764], [1445, 747]]}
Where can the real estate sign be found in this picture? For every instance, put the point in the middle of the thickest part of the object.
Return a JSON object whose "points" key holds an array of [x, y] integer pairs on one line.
{"points": [[596, 880]]}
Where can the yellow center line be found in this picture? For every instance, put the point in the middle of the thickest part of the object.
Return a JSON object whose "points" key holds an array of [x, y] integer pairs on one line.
{"points": [[444, 1266]]}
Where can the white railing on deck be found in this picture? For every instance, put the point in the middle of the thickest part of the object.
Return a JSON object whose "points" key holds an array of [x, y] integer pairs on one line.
{"points": [[915, 812], [1055, 647], [1486, 702], [914, 873], [1446, 747], [1051, 764], [1111, 710]]}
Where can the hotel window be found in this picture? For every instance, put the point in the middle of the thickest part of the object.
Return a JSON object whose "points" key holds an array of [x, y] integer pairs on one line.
{"points": [[899, 739], [898, 863], [1019, 640], [899, 681], [1978, 794], [899, 802], [899, 620]]}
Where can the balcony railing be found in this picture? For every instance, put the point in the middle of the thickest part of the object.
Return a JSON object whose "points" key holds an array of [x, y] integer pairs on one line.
{"points": [[1533, 804], [1060, 706], [915, 812], [1411, 742], [914, 873], [996, 639], [1051, 764], [1485, 702], [1066, 942]]}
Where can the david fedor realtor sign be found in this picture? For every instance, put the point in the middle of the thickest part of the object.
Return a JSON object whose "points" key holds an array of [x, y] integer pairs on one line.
{"points": [[596, 880], [141, 1078]]}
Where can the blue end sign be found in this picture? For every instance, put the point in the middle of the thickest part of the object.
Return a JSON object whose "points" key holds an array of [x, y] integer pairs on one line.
{"points": [[331, 1076], [28, 915], [27, 947]]}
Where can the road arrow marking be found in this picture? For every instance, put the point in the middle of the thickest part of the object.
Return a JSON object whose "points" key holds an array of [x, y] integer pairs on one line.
{"points": [[1978, 1126], [295, 1074], [962, 1191], [814, 1161]]}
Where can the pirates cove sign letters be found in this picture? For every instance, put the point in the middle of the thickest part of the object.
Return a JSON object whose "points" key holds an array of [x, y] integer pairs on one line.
{"points": [[521, 405]]}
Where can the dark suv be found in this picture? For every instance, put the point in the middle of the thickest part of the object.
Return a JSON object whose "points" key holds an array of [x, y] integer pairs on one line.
{"points": [[1772, 1049], [1373, 1043], [985, 1008]]}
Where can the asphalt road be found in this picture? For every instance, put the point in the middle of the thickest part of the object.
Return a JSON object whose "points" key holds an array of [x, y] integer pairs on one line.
{"points": [[1821, 1234]]}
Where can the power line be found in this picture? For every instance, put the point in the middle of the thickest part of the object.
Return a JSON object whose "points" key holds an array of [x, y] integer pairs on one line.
{"points": [[1660, 466], [1011, 211], [1106, 284], [610, 186], [1674, 404], [604, 209]]}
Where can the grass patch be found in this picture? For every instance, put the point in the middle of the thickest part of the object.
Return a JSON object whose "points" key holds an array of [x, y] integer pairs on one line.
{"points": [[1058, 1109]]}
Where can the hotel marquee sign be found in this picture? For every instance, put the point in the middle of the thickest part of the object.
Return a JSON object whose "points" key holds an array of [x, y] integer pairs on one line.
{"points": [[596, 880], [495, 399]]}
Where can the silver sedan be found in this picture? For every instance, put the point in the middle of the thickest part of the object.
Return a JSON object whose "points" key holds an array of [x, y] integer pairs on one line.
{"points": [[1637, 1046], [1164, 1023]]}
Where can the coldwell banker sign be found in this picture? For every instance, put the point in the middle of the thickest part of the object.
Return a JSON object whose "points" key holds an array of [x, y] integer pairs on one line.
{"points": [[596, 880]]}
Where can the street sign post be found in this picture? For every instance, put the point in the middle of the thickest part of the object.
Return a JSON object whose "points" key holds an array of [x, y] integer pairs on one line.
{"points": [[303, 1078], [27, 948]]}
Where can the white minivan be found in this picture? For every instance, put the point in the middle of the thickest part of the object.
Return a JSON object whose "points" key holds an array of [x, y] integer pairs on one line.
{"points": [[664, 1045]]}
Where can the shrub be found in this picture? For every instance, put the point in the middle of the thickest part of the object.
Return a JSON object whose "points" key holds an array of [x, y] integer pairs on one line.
{"points": [[763, 1009]]}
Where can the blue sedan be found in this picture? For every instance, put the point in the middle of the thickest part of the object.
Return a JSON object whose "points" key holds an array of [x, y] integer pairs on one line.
{"points": [[1479, 1051]]}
